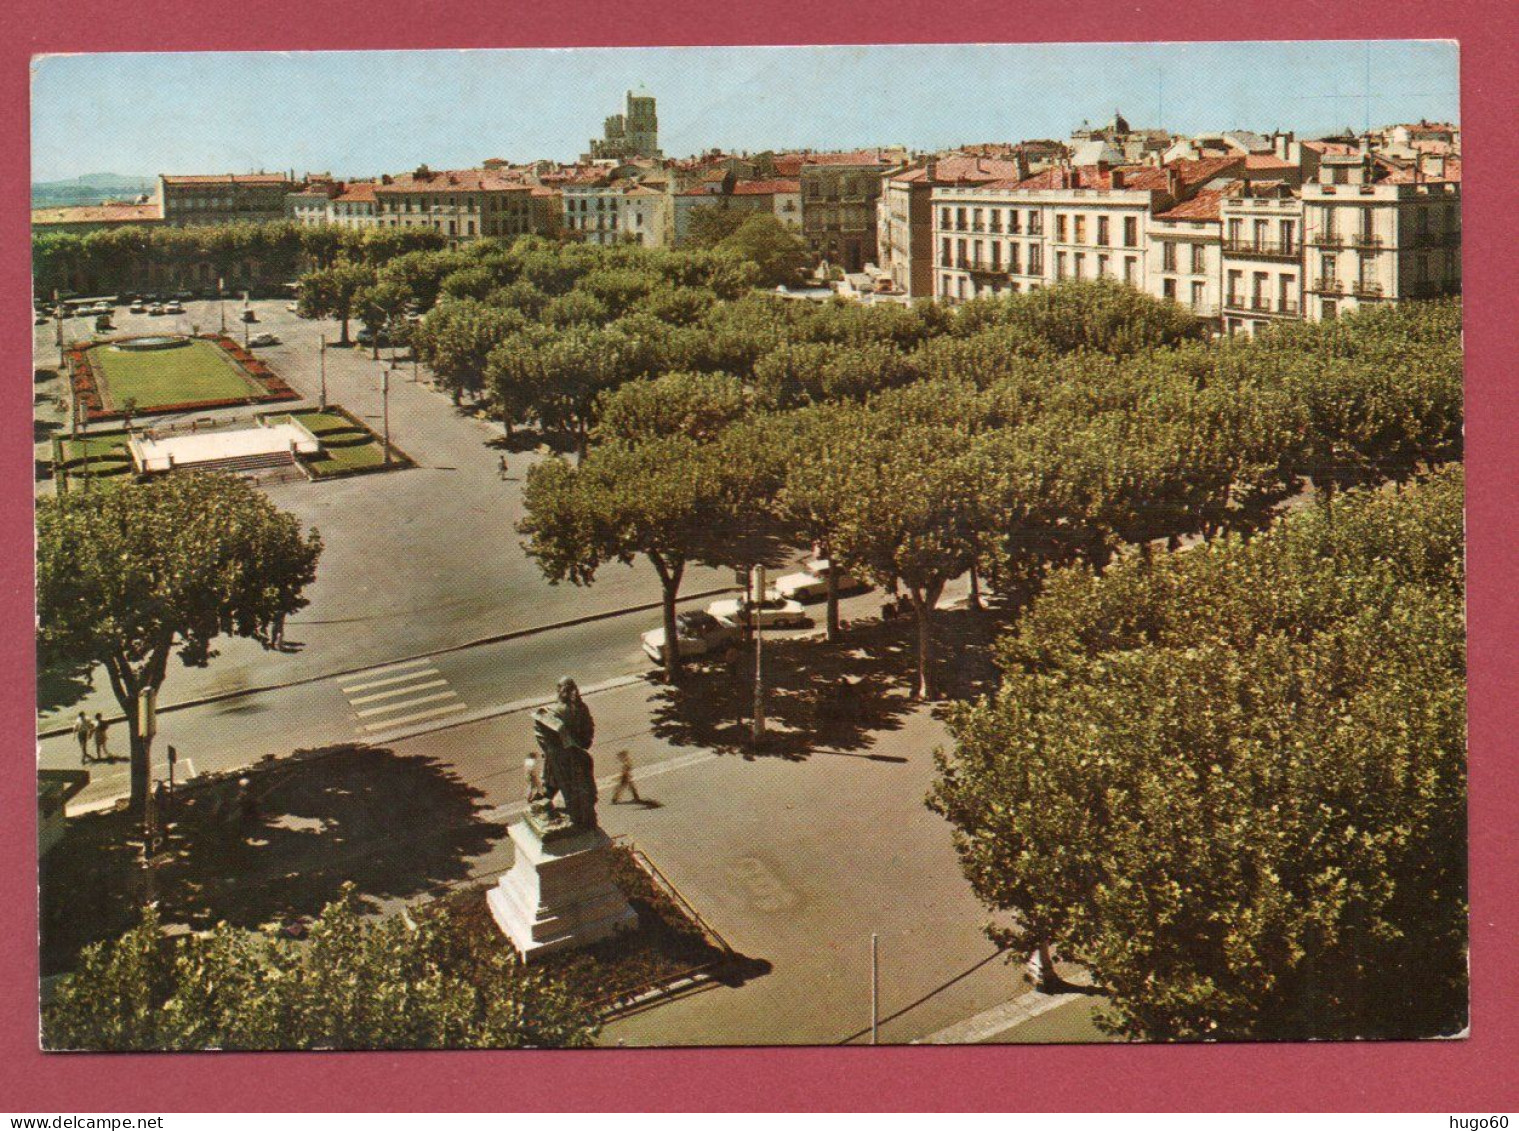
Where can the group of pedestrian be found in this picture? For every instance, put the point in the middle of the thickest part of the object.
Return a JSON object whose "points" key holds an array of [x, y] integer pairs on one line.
{"points": [[94, 731]]}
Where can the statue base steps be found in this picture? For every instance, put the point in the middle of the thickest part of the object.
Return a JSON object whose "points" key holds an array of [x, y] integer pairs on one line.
{"points": [[559, 893]]}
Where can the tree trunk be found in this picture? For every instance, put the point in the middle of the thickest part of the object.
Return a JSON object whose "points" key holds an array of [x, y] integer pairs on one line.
{"points": [[975, 589], [922, 607], [343, 338], [140, 766], [669, 581], [832, 618]]}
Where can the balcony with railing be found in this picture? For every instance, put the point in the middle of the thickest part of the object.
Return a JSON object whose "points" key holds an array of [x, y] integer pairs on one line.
{"points": [[1451, 237], [1327, 286], [1260, 304], [1327, 239], [1366, 290], [1263, 249], [1366, 241]]}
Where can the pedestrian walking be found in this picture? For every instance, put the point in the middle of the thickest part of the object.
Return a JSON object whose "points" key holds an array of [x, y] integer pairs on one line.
{"points": [[503, 467], [84, 730], [102, 752], [625, 779]]}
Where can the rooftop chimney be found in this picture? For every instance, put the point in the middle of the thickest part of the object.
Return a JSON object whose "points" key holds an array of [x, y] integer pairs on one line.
{"points": [[1117, 179], [931, 171]]}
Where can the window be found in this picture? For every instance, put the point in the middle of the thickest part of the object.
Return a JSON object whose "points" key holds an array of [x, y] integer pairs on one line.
{"points": [[1327, 266], [1012, 258], [996, 255], [1130, 269], [976, 223], [1168, 256], [996, 219], [1328, 309], [1261, 229], [1081, 229], [1060, 227], [1199, 259], [1035, 222], [1059, 265], [1130, 231], [1284, 303], [1168, 288], [1036, 259], [1285, 229], [960, 219], [1258, 291], [1103, 270], [1012, 221], [1235, 281], [945, 252], [1102, 231], [1079, 265], [1198, 290], [1236, 232], [944, 217]]}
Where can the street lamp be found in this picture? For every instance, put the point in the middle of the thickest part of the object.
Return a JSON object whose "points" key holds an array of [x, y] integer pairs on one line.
{"points": [[323, 355], [759, 654], [385, 409]]}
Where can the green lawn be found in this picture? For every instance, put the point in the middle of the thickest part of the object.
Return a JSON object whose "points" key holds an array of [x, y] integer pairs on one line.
{"points": [[346, 446], [109, 462], [199, 371]]}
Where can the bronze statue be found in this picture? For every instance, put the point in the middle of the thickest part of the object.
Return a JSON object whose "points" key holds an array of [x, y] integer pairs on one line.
{"points": [[564, 732]]}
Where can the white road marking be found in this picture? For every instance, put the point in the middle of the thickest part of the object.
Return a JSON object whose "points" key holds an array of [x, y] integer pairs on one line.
{"points": [[432, 714], [390, 680], [378, 695], [388, 669], [408, 703]]}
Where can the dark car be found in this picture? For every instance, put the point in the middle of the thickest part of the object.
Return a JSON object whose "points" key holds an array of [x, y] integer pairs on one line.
{"points": [[366, 337], [249, 316]]}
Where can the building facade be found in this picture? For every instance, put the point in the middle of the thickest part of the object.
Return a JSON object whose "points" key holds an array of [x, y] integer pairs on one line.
{"points": [[839, 195], [904, 214], [633, 133], [238, 198], [462, 205]]}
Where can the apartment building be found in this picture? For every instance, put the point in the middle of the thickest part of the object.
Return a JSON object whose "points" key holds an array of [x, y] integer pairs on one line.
{"points": [[354, 205], [780, 197], [1376, 233], [839, 194], [1186, 252], [593, 210], [232, 198], [647, 216], [904, 214], [1262, 268], [463, 205]]}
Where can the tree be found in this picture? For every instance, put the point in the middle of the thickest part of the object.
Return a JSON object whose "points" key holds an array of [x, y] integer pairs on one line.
{"points": [[127, 578], [908, 515], [329, 292], [710, 224], [378, 306], [774, 250], [698, 405], [399, 982], [666, 500], [455, 340], [1231, 781]]}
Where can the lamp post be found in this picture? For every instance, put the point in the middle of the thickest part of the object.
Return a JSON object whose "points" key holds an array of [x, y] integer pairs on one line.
{"points": [[322, 353], [385, 410], [221, 300], [759, 655]]}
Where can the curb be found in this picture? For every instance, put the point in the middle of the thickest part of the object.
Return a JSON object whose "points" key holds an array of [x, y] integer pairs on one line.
{"points": [[496, 638]]}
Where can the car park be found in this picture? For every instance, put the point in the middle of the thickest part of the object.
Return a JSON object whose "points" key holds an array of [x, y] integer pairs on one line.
{"points": [[264, 340], [173, 308], [103, 323], [137, 307], [41, 319], [293, 307], [811, 584], [156, 309], [772, 612], [696, 634]]}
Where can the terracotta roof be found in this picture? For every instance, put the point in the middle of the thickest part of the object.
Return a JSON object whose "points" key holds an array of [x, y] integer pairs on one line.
{"points": [[765, 188], [788, 164], [858, 157], [1333, 148], [1267, 161], [229, 179], [1410, 176], [961, 170], [452, 180], [357, 191], [96, 214], [1203, 206]]}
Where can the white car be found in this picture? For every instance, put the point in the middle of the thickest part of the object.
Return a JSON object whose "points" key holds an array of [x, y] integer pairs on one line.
{"points": [[812, 583], [696, 634], [264, 340], [173, 308], [773, 612], [138, 308]]}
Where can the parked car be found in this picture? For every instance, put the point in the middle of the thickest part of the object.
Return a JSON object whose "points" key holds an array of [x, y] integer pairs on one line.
{"points": [[812, 583], [183, 296], [696, 634], [249, 316], [103, 323], [264, 340], [156, 309], [138, 307], [173, 308], [41, 319], [772, 612], [366, 337], [293, 307]]}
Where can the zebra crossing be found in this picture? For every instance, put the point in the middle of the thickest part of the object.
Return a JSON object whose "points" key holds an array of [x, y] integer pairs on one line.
{"points": [[398, 695]]}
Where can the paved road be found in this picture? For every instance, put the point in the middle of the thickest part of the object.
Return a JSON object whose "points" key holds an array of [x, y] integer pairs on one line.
{"points": [[376, 703], [416, 560]]}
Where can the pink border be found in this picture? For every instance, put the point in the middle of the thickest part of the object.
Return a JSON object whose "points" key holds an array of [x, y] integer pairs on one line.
{"points": [[1467, 1076]]}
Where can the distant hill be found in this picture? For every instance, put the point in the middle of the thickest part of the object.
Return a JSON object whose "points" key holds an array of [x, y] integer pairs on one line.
{"points": [[92, 188]]}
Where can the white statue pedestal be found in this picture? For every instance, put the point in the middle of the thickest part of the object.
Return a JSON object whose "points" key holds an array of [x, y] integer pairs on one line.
{"points": [[559, 893]]}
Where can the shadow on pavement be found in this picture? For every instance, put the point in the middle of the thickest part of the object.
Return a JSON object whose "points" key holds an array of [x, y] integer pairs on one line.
{"points": [[397, 826], [63, 685], [823, 698]]}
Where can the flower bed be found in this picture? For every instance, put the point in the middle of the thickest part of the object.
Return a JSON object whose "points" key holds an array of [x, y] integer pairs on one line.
{"points": [[86, 382], [349, 446]]}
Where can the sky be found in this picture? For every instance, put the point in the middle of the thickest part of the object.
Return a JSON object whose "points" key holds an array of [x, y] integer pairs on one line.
{"points": [[365, 112]]}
